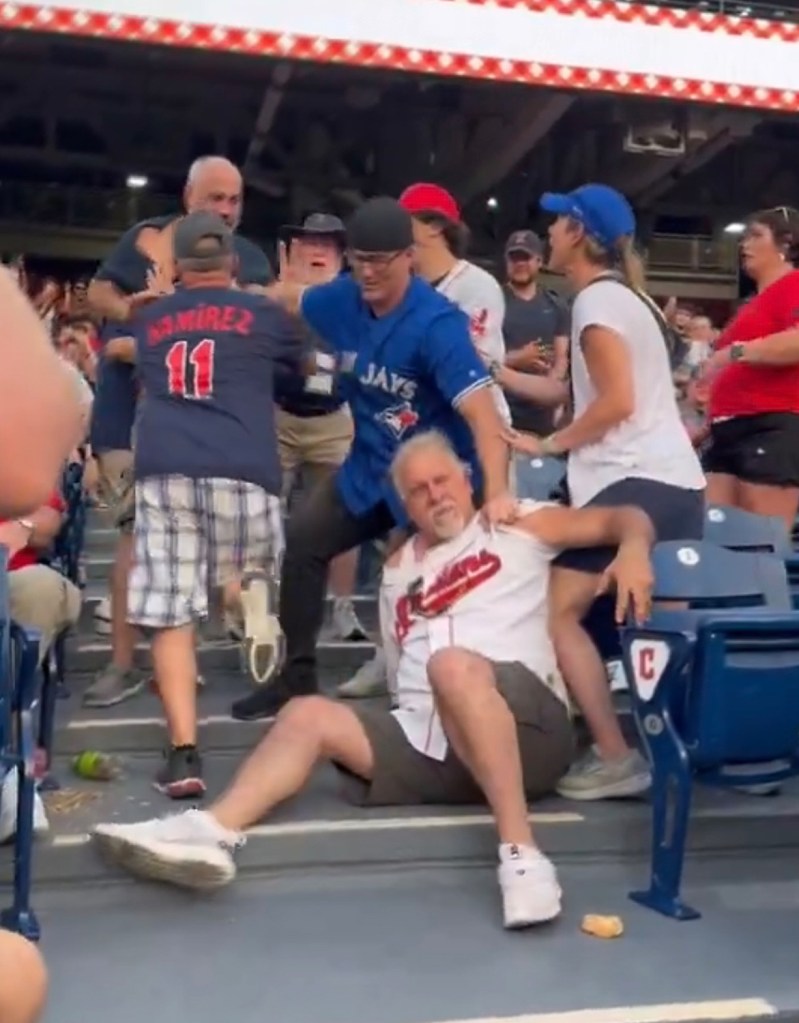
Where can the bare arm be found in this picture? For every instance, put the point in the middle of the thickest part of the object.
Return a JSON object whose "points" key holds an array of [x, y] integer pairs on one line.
{"points": [[627, 528], [41, 416], [123, 349], [546, 390], [480, 412], [108, 302], [46, 522], [589, 527], [609, 368], [560, 362]]}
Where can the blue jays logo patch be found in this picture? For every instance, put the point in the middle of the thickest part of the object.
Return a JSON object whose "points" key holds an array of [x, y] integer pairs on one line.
{"points": [[399, 418]]}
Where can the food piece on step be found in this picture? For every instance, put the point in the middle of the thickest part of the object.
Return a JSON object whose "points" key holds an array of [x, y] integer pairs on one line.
{"points": [[602, 926]]}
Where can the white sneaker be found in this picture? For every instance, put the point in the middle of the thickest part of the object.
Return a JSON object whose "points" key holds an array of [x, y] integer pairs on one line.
{"points": [[264, 645], [102, 617], [8, 809], [188, 849], [530, 890], [346, 624], [370, 680]]}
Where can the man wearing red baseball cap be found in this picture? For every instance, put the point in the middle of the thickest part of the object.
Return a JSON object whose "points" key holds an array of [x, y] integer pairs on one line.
{"points": [[441, 240]]}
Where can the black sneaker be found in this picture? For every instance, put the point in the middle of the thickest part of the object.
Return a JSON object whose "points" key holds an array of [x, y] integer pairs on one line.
{"points": [[181, 777], [267, 701]]}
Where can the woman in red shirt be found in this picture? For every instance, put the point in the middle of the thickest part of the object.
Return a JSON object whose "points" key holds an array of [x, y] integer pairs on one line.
{"points": [[753, 458]]}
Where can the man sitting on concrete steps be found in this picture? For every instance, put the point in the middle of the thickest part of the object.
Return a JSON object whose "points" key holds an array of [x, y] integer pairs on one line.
{"points": [[481, 712]]}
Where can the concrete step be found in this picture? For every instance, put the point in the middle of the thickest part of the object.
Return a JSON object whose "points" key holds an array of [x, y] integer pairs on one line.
{"points": [[137, 726], [89, 654], [96, 590], [320, 830]]}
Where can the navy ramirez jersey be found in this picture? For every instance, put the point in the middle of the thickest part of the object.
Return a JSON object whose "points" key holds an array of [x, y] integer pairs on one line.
{"points": [[205, 361]]}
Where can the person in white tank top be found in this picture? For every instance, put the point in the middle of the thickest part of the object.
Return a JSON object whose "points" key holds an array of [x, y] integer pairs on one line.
{"points": [[481, 712], [625, 445]]}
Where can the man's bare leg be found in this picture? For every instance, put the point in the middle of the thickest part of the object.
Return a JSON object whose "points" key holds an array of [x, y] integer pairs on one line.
{"points": [[482, 731], [175, 666], [120, 679], [309, 729], [483, 734], [193, 850]]}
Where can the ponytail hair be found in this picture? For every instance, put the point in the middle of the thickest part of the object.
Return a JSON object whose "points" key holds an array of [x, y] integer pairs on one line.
{"points": [[630, 264], [622, 260]]}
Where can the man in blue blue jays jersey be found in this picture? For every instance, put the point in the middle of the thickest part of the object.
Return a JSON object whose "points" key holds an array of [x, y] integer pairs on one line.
{"points": [[407, 363], [206, 470]]}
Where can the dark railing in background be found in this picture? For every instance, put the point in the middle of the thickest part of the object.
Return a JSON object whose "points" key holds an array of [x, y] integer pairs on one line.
{"points": [[709, 256], [776, 11], [113, 211], [79, 207]]}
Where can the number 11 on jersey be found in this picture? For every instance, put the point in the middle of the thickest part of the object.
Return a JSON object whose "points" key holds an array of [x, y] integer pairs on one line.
{"points": [[191, 370]]}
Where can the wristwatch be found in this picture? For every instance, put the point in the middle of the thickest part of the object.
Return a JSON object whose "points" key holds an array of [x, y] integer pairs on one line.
{"points": [[494, 369], [737, 351]]}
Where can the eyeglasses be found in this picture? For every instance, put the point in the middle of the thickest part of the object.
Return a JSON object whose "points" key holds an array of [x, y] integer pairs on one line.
{"points": [[379, 261]]}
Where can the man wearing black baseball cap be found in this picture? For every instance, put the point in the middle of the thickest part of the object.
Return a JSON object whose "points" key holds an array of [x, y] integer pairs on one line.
{"points": [[407, 364], [314, 424], [206, 471]]}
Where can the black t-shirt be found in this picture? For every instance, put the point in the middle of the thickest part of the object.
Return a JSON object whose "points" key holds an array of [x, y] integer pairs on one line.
{"points": [[206, 359], [541, 318]]}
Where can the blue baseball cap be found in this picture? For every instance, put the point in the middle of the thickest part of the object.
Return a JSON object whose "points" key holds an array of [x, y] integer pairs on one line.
{"points": [[604, 213]]}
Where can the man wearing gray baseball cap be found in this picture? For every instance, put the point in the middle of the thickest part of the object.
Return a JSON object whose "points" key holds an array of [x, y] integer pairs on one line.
{"points": [[206, 473]]}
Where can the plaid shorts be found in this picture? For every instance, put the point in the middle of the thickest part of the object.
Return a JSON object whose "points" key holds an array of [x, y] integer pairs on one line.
{"points": [[190, 535]]}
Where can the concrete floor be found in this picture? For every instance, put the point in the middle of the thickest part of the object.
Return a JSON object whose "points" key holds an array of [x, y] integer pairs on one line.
{"points": [[421, 946]]}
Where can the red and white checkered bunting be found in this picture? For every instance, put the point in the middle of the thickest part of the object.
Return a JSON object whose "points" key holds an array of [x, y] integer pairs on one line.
{"points": [[458, 65], [649, 14]]}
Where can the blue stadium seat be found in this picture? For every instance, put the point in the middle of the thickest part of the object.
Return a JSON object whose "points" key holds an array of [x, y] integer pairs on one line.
{"points": [[19, 654], [712, 686], [538, 479], [740, 530]]}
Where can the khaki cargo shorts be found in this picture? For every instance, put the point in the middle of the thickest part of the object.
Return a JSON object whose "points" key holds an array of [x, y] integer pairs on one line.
{"points": [[316, 446], [115, 487], [405, 777]]}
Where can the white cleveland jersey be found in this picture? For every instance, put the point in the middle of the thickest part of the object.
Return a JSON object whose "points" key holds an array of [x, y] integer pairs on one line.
{"points": [[485, 591], [479, 295]]}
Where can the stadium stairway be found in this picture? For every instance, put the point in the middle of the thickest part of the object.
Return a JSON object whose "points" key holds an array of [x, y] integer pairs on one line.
{"points": [[358, 916]]}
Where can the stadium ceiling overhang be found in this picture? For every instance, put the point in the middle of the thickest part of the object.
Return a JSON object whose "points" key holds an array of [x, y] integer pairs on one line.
{"points": [[597, 45]]}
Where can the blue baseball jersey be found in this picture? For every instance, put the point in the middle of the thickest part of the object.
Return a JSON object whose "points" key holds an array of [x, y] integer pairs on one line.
{"points": [[401, 373], [205, 359]]}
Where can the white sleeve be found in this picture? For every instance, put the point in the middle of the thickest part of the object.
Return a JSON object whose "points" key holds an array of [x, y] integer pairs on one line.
{"points": [[485, 308], [388, 636], [606, 304]]}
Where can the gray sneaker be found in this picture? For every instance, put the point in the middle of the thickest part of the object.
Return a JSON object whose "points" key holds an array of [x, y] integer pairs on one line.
{"points": [[114, 685], [591, 777]]}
